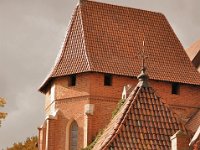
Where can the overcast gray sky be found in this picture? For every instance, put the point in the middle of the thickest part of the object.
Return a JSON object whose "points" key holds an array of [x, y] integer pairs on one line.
{"points": [[31, 34]]}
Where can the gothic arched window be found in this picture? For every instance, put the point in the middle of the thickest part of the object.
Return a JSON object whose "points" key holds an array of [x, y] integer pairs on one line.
{"points": [[73, 140]]}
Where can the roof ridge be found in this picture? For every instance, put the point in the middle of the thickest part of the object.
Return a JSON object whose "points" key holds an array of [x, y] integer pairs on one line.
{"points": [[129, 101], [127, 7]]}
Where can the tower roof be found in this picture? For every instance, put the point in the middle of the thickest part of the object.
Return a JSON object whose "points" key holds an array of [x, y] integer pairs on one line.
{"points": [[143, 122], [107, 38]]}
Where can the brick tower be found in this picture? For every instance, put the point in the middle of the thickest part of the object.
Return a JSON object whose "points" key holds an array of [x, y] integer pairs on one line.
{"points": [[99, 57]]}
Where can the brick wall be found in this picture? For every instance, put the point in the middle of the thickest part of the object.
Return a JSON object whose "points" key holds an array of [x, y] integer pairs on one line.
{"points": [[90, 89], [185, 104], [72, 109]]}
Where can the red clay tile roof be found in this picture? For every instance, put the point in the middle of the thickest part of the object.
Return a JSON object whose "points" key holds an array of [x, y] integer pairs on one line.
{"points": [[107, 38], [193, 50], [143, 122], [194, 122], [194, 54]]}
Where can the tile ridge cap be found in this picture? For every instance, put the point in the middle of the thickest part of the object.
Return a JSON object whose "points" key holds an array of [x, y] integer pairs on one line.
{"points": [[131, 99]]}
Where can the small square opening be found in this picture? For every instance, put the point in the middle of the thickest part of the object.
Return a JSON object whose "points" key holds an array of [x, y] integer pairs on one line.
{"points": [[107, 79], [72, 80], [176, 88]]}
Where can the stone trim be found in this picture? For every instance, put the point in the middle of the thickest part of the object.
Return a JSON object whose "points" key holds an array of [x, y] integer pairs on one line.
{"points": [[81, 98]]}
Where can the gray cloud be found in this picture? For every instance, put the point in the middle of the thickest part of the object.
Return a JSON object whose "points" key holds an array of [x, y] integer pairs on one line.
{"points": [[31, 33]]}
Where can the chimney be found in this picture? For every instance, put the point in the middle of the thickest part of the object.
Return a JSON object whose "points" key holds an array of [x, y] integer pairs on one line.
{"points": [[180, 141]]}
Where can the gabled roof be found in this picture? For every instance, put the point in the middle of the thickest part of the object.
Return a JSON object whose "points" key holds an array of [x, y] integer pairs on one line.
{"points": [[143, 122], [107, 38]]}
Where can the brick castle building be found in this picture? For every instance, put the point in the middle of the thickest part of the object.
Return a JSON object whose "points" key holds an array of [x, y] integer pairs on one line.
{"points": [[100, 56]]}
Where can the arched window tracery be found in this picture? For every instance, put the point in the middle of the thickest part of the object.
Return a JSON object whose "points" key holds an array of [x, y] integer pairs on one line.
{"points": [[73, 136]]}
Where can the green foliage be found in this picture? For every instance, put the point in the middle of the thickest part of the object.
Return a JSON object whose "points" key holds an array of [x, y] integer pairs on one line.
{"points": [[2, 114], [29, 144], [120, 103], [89, 147]]}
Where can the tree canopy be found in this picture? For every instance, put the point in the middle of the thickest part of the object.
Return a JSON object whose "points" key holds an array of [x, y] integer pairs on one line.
{"points": [[29, 144], [2, 114]]}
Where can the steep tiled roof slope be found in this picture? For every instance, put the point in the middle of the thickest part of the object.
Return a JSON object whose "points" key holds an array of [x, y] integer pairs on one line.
{"points": [[107, 38], [73, 58], [143, 122]]}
